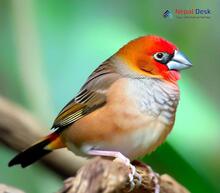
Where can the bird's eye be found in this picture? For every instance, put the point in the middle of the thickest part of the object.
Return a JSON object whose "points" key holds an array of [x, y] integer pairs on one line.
{"points": [[162, 57], [159, 56]]}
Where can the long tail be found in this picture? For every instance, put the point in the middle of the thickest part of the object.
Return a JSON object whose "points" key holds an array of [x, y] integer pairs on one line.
{"points": [[38, 150]]}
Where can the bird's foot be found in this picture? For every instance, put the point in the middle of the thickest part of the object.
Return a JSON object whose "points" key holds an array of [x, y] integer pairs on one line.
{"points": [[133, 173], [121, 158]]}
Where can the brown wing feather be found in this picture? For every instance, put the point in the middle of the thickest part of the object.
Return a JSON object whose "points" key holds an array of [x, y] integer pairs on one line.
{"points": [[79, 108], [72, 111]]}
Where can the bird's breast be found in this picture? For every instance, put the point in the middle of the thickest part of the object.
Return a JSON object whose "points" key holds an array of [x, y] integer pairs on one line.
{"points": [[144, 112]]}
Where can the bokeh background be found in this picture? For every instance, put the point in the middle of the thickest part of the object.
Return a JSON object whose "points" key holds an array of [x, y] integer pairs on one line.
{"points": [[49, 47]]}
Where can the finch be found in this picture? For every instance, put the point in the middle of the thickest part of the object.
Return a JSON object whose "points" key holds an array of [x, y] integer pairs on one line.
{"points": [[125, 109]]}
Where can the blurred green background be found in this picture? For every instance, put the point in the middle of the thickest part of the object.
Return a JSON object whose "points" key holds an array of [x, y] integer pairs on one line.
{"points": [[49, 47]]}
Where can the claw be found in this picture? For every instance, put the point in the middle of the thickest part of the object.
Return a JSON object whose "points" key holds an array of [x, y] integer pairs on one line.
{"points": [[154, 178], [132, 175], [131, 181], [133, 169], [139, 177]]}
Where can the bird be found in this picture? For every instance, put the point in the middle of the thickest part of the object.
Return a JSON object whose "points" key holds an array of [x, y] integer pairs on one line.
{"points": [[125, 109]]}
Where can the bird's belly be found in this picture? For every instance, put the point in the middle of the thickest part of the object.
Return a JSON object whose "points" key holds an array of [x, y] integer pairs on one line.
{"points": [[138, 142], [132, 134]]}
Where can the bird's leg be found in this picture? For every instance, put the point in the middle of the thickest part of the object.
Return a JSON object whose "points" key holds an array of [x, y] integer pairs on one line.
{"points": [[122, 158]]}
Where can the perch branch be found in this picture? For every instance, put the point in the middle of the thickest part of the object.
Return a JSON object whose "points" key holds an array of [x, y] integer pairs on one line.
{"points": [[106, 176]]}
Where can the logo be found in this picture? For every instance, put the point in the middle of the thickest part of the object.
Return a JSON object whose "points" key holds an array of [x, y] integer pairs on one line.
{"points": [[193, 13], [167, 14], [188, 13]]}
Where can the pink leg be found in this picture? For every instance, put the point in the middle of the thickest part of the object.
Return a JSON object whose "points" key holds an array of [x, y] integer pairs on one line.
{"points": [[114, 154]]}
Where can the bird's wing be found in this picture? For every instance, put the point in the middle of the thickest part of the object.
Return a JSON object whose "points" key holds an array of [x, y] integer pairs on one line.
{"points": [[91, 96]]}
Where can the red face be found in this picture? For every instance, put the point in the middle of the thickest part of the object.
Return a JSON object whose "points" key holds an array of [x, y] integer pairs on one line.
{"points": [[153, 56]]}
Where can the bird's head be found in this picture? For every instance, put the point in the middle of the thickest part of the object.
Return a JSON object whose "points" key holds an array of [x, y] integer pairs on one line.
{"points": [[155, 57]]}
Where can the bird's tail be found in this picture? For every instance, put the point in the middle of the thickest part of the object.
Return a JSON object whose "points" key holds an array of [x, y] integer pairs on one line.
{"points": [[38, 150]]}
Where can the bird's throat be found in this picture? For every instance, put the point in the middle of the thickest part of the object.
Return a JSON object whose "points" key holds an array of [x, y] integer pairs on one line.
{"points": [[172, 75]]}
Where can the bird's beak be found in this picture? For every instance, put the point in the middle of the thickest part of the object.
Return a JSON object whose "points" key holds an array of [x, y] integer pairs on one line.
{"points": [[179, 62]]}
